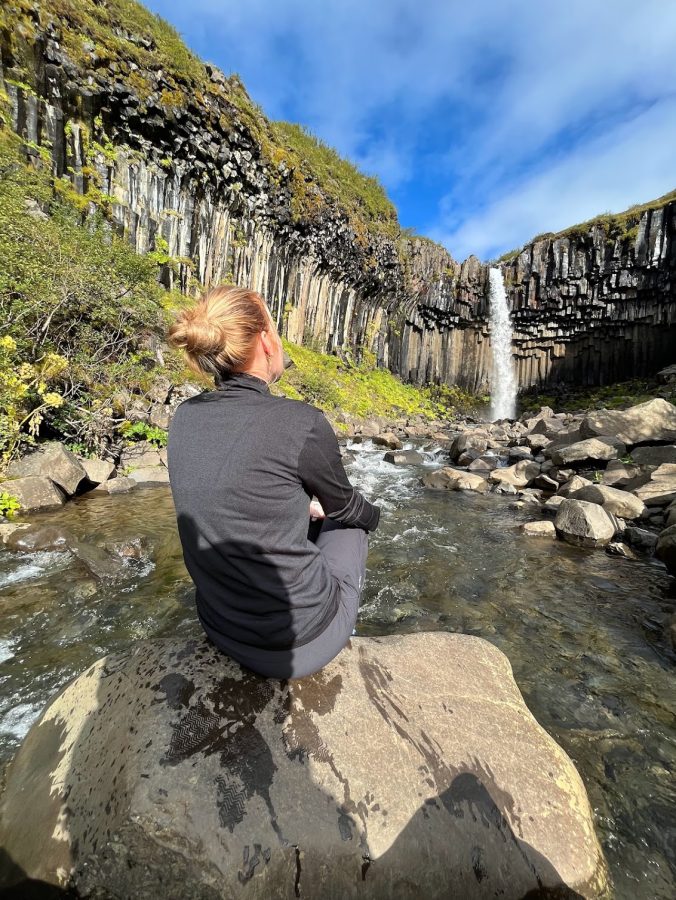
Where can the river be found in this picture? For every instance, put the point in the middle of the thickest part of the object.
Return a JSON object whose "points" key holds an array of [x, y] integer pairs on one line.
{"points": [[582, 630]]}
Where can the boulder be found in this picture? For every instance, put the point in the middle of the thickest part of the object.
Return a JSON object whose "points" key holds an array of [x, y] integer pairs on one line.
{"points": [[139, 455], [665, 550], [448, 479], [537, 441], [150, 474], [654, 420], [617, 474], [660, 490], [40, 537], [671, 515], [484, 464], [404, 457], [368, 428], [504, 487], [572, 485], [641, 539], [34, 492], [9, 529], [516, 454], [545, 528], [388, 439], [545, 483], [519, 475], [552, 505], [52, 460], [551, 428], [408, 767], [588, 451], [564, 438], [619, 548], [654, 455], [117, 485], [160, 415], [97, 470], [530, 495], [467, 457], [466, 441], [619, 503], [583, 523], [667, 375]]}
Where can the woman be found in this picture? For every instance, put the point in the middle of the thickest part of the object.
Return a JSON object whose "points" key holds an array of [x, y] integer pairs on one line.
{"points": [[275, 591]]}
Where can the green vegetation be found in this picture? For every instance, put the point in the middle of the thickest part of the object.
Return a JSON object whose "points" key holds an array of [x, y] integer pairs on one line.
{"points": [[618, 226], [362, 196], [613, 396], [75, 303], [123, 34], [362, 390], [9, 505], [621, 226], [74, 312], [142, 431]]}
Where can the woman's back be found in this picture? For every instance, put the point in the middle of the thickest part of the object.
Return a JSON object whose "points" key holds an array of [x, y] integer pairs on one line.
{"points": [[243, 465]]}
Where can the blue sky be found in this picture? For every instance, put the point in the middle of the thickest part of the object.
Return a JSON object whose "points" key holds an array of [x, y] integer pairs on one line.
{"points": [[487, 122]]}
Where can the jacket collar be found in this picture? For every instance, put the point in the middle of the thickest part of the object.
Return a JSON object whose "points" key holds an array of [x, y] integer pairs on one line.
{"points": [[241, 379]]}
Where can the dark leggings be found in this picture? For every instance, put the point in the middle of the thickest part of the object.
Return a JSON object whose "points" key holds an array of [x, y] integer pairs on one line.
{"points": [[345, 550]]}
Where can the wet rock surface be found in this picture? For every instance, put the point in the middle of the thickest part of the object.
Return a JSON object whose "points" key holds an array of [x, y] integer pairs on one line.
{"points": [[170, 765]]}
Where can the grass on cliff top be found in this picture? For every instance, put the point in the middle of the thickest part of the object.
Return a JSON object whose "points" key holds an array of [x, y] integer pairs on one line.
{"points": [[617, 226], [363, 390], [139, 43], [338, 177]]}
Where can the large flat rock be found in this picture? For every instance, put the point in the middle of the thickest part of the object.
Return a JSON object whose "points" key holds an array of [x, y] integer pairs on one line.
{"points": [[409, 767], [654, 420]]}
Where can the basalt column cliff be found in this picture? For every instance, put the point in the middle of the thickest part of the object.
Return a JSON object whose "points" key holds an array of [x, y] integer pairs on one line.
{"points": [[182, 162]]}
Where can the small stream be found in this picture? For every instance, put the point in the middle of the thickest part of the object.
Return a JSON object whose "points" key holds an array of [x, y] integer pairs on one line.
{"points": [[583, 631]]}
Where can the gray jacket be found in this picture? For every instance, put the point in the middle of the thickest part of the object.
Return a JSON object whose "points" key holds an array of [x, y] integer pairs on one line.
{"points": [[243, 467]]}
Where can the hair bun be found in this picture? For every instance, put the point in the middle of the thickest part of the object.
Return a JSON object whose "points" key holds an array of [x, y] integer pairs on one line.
{"points": [[219, 333]]}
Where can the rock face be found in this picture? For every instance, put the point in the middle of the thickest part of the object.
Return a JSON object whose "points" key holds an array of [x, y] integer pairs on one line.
{"points": [[591, 306], [408, 767]]}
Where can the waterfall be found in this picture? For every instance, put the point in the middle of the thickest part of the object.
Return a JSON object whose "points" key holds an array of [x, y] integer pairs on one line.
{"points": [[503, 382]]}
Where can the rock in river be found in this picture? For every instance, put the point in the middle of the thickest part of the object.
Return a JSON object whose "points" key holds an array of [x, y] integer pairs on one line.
{"points": [[409, 767], [583, 523]]}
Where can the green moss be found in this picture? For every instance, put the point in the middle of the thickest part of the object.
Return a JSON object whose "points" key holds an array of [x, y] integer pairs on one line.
{"points": [[361, 390], [361, 196], [139, 43]]}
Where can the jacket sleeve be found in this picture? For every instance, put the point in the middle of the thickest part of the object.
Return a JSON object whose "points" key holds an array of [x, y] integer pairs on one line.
{"points": [[321, 470]]}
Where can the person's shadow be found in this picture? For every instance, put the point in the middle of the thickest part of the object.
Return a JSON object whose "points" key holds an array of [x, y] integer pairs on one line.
{"points": [[458, 843]]}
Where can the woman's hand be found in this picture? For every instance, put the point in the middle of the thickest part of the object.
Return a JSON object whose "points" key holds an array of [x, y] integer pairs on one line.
{"points": [[316, 511]]}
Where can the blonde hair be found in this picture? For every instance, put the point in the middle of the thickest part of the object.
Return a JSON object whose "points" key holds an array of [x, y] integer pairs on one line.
{"points": [[218, 334]]}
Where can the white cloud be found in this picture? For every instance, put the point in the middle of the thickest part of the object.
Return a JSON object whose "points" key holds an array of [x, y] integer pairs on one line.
{"points": [[631, 163], [525, 88]]}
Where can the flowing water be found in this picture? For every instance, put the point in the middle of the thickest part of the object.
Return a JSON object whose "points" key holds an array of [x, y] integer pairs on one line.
{"points": [[503, 382], [582, 630]]}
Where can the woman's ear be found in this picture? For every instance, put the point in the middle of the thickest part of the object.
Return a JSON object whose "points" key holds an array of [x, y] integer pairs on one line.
{"points": [[267, 342]]}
